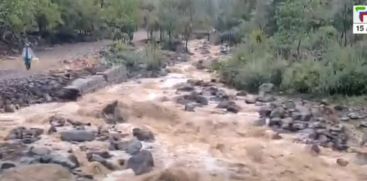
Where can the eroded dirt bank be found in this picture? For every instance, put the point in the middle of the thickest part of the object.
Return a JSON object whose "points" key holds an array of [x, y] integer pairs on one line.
{"points": [[207, 144]]}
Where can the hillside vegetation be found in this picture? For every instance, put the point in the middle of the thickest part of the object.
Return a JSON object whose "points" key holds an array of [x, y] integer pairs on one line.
{"points": [[303, 46]]}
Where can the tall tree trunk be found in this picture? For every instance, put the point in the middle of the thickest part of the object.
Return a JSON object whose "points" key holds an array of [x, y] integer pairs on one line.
{"points": [[345, 25], [186, 45], [298, 48]]}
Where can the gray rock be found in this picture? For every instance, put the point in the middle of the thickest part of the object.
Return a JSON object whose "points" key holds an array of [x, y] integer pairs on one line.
{"points": [[289, 105], [141, 163], [306, 114], [186, 87], [276, 121], [112, 114], [354, 115], [57, 121], [143, 134], [233, 108], [265, 99], [230, 106], [104, 162], [7, 165], [131, 147], [297, 125], [10, 108], [265, 88], [277, 112], [190, 107], [261, 121], [265, 111], [296, 115], [241, 93], [40, 151], [363, 124], [250, 100], [59, 160], [286, 123], [77, 135], [344, 118]]}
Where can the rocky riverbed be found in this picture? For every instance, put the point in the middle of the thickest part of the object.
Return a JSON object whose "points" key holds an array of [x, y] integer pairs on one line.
{"points": [[182, 126]]}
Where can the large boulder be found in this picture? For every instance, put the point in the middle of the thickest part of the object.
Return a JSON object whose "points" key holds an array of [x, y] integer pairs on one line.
{"points": [[112, 114], [78, 135], [143, 134], [265, 88], [141, 163]]}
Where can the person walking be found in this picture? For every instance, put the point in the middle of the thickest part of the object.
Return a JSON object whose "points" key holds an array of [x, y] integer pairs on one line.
{"points": [[27, 56]]}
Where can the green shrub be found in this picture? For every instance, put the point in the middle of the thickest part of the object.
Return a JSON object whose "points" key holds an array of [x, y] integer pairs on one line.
{"points": [[251, 74], [302, 77]]}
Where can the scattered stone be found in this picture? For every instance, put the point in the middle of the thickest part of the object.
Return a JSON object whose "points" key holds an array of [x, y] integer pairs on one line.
{"points": [[97, 158], [112, 114], [52, 130], [363, 124], [250, 100], [10, 108], [141, 163], [306, 114], [261, 121], [344, 118], [265, 88], [342, 162], [230, 106], [56, 121], [289, 105], [241, 93], [27, 136], [58, 159], [265, 99], [324, 102], [131, 147], [340, 108], [77, 135], [287, 123], [277, 112], [77, 123], [143, 134], [39, 151], [12, 151], [297, 125], [314, 149], [354, 115], [276, 136], [186, 87], [276, 121], [7, 165], [190, 107], [193, 97], [265, 111]]}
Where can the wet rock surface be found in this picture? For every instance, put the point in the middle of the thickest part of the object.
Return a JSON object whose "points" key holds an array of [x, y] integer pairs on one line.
{"points": [[19, 92], [141, 163], [77, 135]]}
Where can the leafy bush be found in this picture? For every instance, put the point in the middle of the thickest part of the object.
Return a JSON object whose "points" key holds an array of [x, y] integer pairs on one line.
{"points": [[342, 71], [253, 64], [302, 77], [149, 59]]}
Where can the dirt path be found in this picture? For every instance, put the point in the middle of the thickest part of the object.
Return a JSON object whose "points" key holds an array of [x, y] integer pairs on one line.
{"points": [[207, 145], [50, 58]]}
